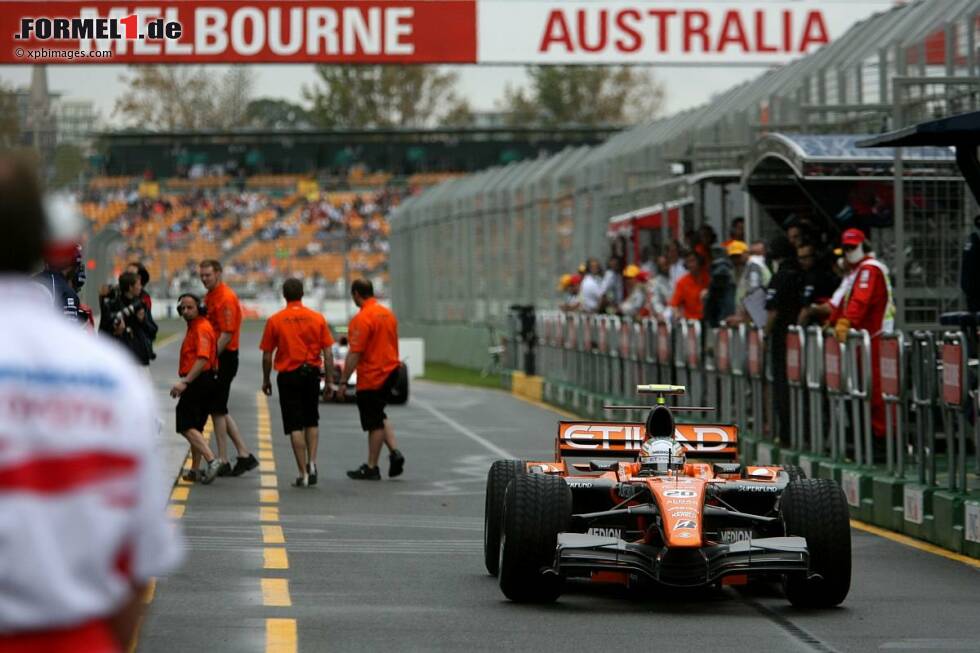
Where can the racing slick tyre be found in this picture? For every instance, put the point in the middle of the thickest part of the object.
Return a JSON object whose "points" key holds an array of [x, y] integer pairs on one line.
{"points": [[536, 508], [399, 390], [501, 473], [794, 472], [816, 509]]}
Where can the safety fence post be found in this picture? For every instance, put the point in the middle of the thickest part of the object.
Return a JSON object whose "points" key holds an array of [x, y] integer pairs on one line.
{"points": [[649, 372], [571, 349], [924, 389], [637, 352], [813, 354], [795, 374], [858, 385], [954, 401], [678, 340], [723, 359], [740, 387], [832, 359], [664, 349], [709, 368], [893, 393], [602, 379], [626, 383], [695, 364], [755, 362]]}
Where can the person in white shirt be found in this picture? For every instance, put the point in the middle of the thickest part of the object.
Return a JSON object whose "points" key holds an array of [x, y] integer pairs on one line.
{"points": [[675, 265], [84, 524], [591, 290]]}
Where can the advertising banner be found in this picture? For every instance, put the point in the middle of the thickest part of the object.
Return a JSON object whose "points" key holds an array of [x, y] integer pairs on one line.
{"points": [[705, 32]]}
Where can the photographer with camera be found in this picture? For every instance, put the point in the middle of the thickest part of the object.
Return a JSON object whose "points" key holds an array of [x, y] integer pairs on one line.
{"points": [[125, 318]]}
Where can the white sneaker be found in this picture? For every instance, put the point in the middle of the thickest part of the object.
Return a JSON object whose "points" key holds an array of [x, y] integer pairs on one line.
{"points": [[210, 471]]}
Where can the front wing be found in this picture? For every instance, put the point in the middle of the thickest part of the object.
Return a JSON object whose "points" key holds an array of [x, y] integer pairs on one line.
{"points": [[578, 556]]}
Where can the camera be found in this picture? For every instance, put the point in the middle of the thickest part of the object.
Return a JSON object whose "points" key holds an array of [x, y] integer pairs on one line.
{"points": [[119, 307]]}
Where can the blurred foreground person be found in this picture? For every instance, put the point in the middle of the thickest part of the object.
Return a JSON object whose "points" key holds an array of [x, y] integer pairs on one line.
{"points": [[84, 525]]}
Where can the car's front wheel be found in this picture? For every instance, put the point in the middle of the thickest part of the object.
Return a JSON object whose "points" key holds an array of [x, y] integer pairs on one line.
{"points": [[536, 508], [816, 509]]}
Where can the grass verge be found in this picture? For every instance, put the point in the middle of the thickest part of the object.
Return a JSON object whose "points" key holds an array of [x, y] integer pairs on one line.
{"points": [[445, 373]]}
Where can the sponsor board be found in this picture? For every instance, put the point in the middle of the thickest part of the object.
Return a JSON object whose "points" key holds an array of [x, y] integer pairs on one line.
{"points": [[759, 32], [971, 522], [850, 482], [914, 501]]}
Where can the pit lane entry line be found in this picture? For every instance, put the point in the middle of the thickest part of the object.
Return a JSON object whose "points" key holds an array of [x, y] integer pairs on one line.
{"points": [[916, 544], [449, 421]]}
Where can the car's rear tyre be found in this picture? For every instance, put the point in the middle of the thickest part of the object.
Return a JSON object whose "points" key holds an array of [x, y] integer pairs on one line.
{"points": [[794, 472], [399, 390], [501, 473], [536, 508], [816, 509]]}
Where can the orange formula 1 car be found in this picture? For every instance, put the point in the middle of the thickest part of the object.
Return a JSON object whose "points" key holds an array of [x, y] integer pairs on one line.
{"points": [[667, 503]]}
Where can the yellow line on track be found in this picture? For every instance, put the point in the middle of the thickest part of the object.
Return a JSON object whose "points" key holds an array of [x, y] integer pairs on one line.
{"points": [[266, 454], [180, 494], [151, 590], [547, 407], [275, 593], [268, 513], [268, 496], [275, 558], [272, 534], [176, 510], [268, 480], [268, 466], [915, 544], [280, 636]]}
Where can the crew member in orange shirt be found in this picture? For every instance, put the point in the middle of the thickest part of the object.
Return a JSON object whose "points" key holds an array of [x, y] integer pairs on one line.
{"points": [[198, 359], [373, 352], [225, 315], [688, 297], [300, 339]]}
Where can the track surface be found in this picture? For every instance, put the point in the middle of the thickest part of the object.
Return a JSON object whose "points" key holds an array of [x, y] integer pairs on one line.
{"points": [[397, 564]]}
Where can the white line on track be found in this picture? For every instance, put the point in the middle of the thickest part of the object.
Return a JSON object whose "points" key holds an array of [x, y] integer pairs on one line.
{"points": [[441, 416]]}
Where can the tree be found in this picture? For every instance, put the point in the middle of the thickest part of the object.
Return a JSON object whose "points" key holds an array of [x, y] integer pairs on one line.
{"points": [[584, 95], [355, 97], [172, 98], [269, 113]]}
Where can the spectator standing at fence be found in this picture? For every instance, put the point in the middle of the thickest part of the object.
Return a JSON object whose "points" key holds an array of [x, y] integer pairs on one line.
{"points": [[636, 301], [783, 308], [676, 265], [751, 273], [970, 268], [225, 314], [83, 499], [373, 353], [818, 284], [736, 232], [720, 301], [590, 293], [660, 289], [568, 286], [692, 288], [612, 282], [868, 305], [301, 341]]}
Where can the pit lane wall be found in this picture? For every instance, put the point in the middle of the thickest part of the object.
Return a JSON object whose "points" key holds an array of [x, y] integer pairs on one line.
{"points": [[922, 480]]}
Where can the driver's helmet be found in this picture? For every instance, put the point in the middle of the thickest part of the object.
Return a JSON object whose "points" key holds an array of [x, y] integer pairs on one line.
{"points": [[661, 455]]}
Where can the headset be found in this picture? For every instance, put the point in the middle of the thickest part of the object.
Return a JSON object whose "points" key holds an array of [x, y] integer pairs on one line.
{"points": [[202, 310]]}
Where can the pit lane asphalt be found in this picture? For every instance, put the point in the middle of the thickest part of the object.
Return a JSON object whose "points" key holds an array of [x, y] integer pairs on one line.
{"points": [[397, 564]]}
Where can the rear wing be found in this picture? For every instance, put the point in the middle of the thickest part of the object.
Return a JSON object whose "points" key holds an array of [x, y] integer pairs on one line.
{"points": [[586, 439]]}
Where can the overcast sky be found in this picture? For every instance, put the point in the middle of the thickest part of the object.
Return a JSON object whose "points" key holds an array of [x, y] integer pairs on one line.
{"points": [[481, 85]]}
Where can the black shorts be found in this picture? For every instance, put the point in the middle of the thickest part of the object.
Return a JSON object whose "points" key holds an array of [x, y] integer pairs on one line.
{"points": [[299, 398], [371, 403], [227, 369], [194, 405]]}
